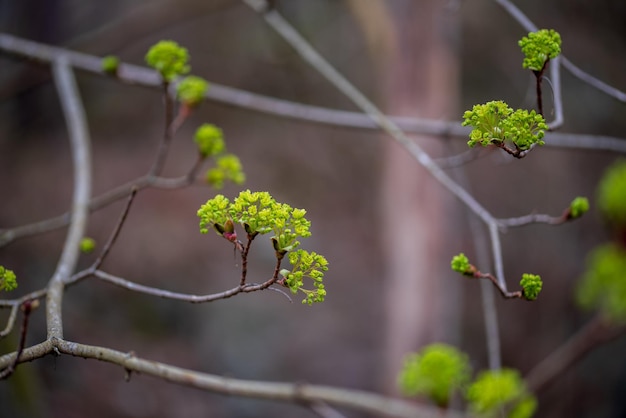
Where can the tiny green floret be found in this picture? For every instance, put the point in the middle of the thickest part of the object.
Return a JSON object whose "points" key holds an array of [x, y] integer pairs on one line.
{"points": [[531, 286], [436, 372], [169, 59], [578, 207], [500, 393], [214, 213], [8, 280], [495, 123], [210, 140], [87, 245], [603, 286], [305, 264], [460, 263], [110, 64], [191, 90], [612, 195], [538, 47]]}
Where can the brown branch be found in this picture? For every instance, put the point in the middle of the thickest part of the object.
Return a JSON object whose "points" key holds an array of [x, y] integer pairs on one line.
{"points": [[300, 393], [536, 218], [11, 321], [116, 231], [505, 293], [27, 307], [595, 333]]}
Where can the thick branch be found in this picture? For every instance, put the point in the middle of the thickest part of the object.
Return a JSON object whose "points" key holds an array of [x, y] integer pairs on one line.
{"points": [[81, 158], [288, 392]]}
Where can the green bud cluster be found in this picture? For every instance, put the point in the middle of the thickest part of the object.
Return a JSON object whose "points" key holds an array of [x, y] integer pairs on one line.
{"points": [[87, 245], [436, 372], [169, 59], [578, 207], [461, 264], [495, 122], [305, 264], [612, 195], [538, 47], [210, 141], [531, 285], [8, 280], [500, 393], [191, 90], [603, 286], [110, 64], [260, 213]]}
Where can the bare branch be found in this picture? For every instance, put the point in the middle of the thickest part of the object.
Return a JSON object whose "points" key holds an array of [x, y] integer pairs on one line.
{"points": [[594, 82], [11, 321], [133, 74], [27, 307], [595, 333], [288, 392], [79, 141]]}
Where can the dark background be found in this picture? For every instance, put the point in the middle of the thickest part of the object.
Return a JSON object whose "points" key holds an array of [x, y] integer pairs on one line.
{"points": [[332, 172]]}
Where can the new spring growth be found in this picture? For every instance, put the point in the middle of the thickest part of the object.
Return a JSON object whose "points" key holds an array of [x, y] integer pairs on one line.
{"points": [[210, 140], [531, 286], [500, 393], [538, 47], [169, 59], [191, 90], [87, 245], [436, 372], [578, 207], [461, 264], [612, 195], [495, 123], [228, 167], [259, 213], [110, 64], [8, 280], [603, 286], [306, 265]]}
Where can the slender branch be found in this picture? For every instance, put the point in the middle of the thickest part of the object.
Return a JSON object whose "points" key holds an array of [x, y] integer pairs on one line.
{"points": [[11, 321], [168, 132], [594, 82], [166, 294], [116, 231], [79, 141], [505, 294], [533, 218], [595, 333], [288, 392], [133, 74], [27, 307]]}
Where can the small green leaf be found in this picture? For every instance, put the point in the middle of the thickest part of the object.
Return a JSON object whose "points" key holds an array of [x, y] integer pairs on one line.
{"points": [[461, 264], [8, 280], [531, 285], [500, 393], [191, 90], [87, 245], [110, 64], [578, 207]]}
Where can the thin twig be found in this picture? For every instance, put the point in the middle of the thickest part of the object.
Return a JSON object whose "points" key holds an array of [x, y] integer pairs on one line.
{"points": [[11, 321], [27, 307], [116, 231], [166, 294], [79, 140], [595, 333], [505, 294]]}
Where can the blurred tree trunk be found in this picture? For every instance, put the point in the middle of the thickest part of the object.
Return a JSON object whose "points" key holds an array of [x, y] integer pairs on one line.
{"points": [[415, 41]]}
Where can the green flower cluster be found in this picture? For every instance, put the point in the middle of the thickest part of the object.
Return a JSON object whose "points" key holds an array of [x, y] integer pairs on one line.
{"points": [[538, 47], [603, 286], [495, 122], [437, 371], [578, 207], [502, 390], [531, 285], [305, 264], [612, 195], [110, 64], [169, 59], [191, 90], [258, 213], [461, 264], [8, 280]]}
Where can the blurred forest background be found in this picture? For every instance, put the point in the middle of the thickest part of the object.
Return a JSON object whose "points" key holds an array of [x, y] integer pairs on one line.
{"points": [[347, 179]]}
